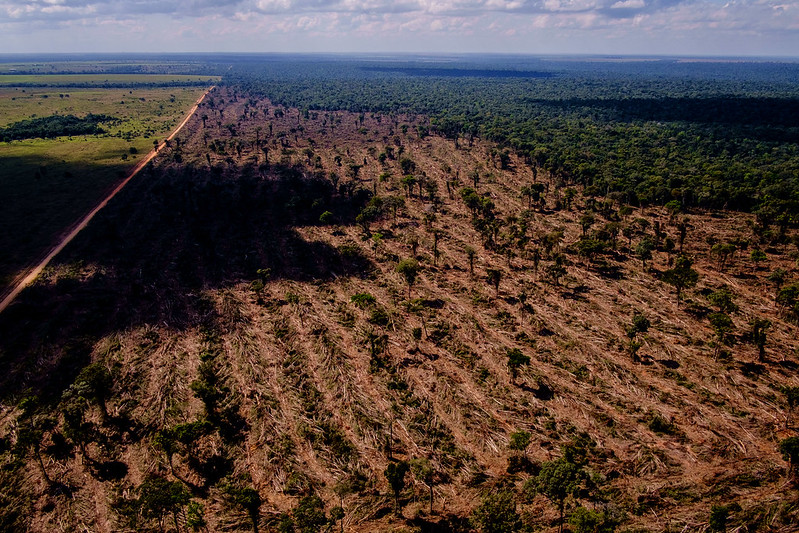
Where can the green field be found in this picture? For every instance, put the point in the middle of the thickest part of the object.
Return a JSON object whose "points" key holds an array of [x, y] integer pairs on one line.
{"points": [[89, 80], [47, 184]]}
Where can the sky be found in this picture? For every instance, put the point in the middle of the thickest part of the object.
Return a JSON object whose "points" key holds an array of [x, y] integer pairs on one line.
{"points": [[623, 27]]}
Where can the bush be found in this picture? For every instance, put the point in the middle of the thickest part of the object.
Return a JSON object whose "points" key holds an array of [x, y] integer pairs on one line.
{"points": [[497, 514]]}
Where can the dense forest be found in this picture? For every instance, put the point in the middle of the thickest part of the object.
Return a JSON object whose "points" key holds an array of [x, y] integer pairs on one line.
{"points": [[717, 134]]}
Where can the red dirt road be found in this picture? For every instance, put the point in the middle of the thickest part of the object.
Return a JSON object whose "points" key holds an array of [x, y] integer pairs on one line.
{"points": [[27, 277]]}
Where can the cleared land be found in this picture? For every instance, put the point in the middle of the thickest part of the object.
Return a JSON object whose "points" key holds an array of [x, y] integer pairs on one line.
{"points": [[47, 184], [245, 312]]}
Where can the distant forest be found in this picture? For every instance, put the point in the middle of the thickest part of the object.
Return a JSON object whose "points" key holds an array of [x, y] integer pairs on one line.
{"points": [[704, 134]]}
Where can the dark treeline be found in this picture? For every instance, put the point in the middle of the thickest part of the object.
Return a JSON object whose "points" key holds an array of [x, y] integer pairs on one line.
{"points": [[114, 84], [713, 135], [54, 126]]}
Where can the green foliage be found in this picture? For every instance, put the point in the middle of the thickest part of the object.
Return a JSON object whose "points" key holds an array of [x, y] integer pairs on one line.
{"points": [[158, 497], [409, 269], [248, 499], [195, 517], [789, 448], [497, 514], [760, 327], [94, 384], [788, 299], [309, 515], [395, 474], [718, 518], [520, 440], [722, 325], [363, 299], [640, 324], [757, 256], [682, 276], [590, 248], [585, 520], [559, 480], [54, 126], [407, 165], [493, 277], [724, 300], [516, 359], [644, 249]]}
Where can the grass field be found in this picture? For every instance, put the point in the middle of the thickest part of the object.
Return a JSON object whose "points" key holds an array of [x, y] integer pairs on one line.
{"points": [[48, 184], [66, 80]]}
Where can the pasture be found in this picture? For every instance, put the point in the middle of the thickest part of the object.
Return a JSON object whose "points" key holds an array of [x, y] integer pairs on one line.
{"points": [[47, 184]]}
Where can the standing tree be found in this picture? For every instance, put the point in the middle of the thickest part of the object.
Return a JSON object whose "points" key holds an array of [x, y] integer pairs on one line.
{"points": [[644, 250], [471, 253], [682, 276], [558, 480], [94, 384], [792, 399], [789, 448], [395, 474], [722, 325], [409, 268], [158, 497], [31, 432], [424, 472], [494, 276], [757, 256], [759, 328], [640, 324], [519, 441], [516, 359]]}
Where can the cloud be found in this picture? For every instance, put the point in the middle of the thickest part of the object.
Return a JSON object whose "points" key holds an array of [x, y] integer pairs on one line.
{"points": [[368, 25]]}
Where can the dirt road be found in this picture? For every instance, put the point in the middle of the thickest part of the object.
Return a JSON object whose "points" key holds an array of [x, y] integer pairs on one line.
{"points": [[27, 277]]}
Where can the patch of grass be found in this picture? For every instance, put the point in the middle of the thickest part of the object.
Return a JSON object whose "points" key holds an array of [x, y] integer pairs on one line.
{"points": [[48, 184]]}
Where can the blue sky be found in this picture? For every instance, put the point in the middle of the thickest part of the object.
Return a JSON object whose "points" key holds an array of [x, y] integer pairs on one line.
{"points": [[630, 27]]}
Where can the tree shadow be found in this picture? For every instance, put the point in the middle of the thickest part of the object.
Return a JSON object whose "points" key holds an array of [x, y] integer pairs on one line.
{"points": [[150, 256]]}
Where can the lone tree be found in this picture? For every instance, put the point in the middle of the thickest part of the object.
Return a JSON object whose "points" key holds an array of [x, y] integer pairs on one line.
{"points": [[519, 441], [789, 448], [94, 384], [494, 276], [558, 480], [409, 268], [471, 254], [722, 325], [682, 276], [792, 399], [516, 359], [759, 328], [424, 472], [640, 324], [395, 474]]}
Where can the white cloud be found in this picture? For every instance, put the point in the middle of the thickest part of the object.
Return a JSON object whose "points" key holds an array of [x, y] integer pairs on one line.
{"points": [[629, 4], [592, 26]]}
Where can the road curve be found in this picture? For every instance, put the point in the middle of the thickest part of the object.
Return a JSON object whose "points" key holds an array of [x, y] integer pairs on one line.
{"points": [[26, 278]]}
